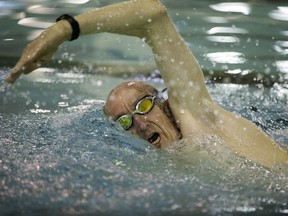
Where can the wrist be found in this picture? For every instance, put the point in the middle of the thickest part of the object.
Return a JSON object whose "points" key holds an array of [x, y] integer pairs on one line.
{"points": [[74, 25], [64, 30]]}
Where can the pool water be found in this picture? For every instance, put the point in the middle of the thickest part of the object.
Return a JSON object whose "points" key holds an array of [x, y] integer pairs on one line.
{"points": [[59, 154]]}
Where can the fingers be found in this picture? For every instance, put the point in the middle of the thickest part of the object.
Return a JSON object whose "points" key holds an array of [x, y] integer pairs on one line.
{"points": [[26, 65], [34, 55], [37, 52], [14, 74], [18, 70]]}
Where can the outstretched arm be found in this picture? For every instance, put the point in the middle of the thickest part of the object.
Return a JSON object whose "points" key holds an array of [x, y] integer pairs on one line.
{"points": [[146, 19], [129, 18]]}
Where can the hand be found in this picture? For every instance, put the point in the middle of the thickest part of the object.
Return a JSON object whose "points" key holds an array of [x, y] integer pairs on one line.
{"points": [[37, 52]]}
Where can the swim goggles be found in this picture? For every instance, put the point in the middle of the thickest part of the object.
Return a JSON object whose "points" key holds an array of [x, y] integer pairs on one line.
{"points": [[143, 107]]}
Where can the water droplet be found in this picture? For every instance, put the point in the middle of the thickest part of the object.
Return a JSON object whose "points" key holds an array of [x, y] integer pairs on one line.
{"points": [[99, 83], [257, 43], [216, 112], [172, 83], [63, 104]]}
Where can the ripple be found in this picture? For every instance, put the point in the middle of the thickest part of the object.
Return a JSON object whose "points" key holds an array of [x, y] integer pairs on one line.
{"points": [[34, 22], [280, 14], [281, 47], [236, 7], [226, 57], [232, 30], [40, 9], [223, 39], [215, 19], [282, 66], [76, 1]]}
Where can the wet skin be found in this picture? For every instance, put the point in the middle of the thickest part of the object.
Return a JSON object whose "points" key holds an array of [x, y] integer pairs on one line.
{"points": [[155, 126], [190, 103]]}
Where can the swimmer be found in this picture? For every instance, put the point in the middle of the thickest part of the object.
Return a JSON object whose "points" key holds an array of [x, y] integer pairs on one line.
{"points": [[190, 110]]}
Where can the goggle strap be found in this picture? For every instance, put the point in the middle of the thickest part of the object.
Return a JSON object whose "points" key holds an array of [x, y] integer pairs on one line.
{"points": [[163, 94]]}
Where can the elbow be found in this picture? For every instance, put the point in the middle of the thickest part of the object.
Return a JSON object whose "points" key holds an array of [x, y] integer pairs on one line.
{"points": [[161, 9]]}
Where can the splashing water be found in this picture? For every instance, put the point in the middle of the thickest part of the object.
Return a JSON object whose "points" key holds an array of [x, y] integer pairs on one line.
{"points": [[73, 160], [60, 155]]}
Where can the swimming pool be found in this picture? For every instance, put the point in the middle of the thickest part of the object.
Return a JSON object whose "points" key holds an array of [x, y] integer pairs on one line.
{"points": [[59, 155]]}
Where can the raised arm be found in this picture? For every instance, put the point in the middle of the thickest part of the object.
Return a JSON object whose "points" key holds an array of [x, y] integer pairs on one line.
{"points": [[127, 18], [146, 19]]}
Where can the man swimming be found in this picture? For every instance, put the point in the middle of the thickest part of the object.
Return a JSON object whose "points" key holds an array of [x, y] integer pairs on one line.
{"points": [[189, 111]]}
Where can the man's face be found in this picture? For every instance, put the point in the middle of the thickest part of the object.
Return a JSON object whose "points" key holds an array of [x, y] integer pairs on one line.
{"points": [[155, 126]]}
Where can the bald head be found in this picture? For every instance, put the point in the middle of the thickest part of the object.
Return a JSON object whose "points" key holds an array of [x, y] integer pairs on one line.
{"points": [[129, 91], [156, 126]]}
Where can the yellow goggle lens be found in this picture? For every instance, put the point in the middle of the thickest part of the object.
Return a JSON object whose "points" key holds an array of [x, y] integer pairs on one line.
{"points": [[144, 106], [125, 122]]}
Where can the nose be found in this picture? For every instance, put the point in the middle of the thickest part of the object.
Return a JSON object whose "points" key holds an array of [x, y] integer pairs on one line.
{"points": [[140, 122]]}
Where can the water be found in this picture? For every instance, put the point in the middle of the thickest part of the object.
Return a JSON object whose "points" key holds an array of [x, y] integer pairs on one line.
{"points": [[59, 155]]}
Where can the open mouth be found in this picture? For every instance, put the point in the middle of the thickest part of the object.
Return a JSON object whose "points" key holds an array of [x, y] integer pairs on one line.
{"points": [[155, 139]]}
